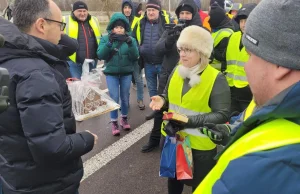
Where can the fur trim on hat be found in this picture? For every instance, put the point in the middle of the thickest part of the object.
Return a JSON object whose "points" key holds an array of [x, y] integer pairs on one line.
{"points": [[196, 38]]}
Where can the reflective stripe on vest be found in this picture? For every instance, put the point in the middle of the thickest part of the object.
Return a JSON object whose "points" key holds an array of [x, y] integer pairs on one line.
{"points": [[218, 37], [236, 59], [72, 30], [250, 109], [138, 29], [270, 135], [194, 102]]}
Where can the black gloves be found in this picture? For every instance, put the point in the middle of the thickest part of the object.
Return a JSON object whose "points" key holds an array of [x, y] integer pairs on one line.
{"points": [[172, 37], [218, 133], [128, 40], [111, 37], [117, 37], [173, 127]]}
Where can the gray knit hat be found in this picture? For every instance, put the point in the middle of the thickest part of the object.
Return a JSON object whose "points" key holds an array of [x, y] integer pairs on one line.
{"points": [[273, 34]]}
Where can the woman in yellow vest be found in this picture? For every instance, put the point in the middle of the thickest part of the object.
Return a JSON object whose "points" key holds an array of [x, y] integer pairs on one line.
{"points": [[236, 57], [200, 93]]}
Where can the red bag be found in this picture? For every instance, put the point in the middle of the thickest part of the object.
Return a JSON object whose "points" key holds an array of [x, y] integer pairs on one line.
{"points": [[184, 160]]}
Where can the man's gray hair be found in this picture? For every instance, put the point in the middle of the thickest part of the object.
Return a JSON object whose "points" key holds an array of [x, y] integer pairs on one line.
{"points": [[26, 12]]}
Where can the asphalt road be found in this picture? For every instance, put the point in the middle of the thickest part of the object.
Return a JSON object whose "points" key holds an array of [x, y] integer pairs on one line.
{"points": [[116, 165]]}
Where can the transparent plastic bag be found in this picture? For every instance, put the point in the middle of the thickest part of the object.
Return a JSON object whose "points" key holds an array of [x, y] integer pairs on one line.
{"points": [[93, 77], [89, 101]]}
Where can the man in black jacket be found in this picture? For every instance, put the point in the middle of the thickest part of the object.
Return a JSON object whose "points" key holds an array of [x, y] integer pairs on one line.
{"points": [[187, 11], [40, 149]]}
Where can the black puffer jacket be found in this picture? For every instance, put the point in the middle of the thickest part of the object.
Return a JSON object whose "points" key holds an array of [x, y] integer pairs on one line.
{"points": [[40, 151], [171, 56]]}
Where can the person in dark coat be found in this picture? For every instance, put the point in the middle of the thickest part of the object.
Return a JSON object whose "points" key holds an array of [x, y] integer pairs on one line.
{"points": [[166, 47], [66, 47], [222, 28], [40, 149]]}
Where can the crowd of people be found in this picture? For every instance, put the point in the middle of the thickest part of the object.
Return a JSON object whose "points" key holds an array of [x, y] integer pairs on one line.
{"points": [[227, 78]]}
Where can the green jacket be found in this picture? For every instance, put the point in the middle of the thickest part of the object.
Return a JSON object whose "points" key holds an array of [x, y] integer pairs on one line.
{"points": [[124, 60]]}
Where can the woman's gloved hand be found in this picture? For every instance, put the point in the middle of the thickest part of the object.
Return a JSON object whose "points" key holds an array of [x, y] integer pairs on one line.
{"points": [[176, 122], [218, 133]]}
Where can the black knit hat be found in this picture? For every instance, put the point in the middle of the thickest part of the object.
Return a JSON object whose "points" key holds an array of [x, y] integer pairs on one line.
{"points": [[119, 23], [220, 3], [156, 4], [217, 16], [186, 7], [80, 5]]}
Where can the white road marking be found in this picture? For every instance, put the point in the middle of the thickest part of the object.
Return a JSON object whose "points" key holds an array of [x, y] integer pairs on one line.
{"points": [[95, 163]]}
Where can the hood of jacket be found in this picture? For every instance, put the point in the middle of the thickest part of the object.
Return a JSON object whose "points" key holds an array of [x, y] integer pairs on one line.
{"points": [[131, 5], [218, 18], [20, 45], [196, 20], [136, 8], [244, 12], [114, 18], [285, 105]]}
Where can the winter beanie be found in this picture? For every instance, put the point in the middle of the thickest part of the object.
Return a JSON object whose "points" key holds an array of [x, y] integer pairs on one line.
{"points": [[186, 8], [217, 16], [220, 3], [80, 5], [119, 23], [272, 32], [195, 37], [156, 4], [244, 12]]}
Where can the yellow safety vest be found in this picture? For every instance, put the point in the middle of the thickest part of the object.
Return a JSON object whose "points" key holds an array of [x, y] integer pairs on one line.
{"points": [[135, 20], [229, 15], [72, 30], [248, 112], [236, 59], [218, 37], [270, 135], [138, 29], [194, 102]]}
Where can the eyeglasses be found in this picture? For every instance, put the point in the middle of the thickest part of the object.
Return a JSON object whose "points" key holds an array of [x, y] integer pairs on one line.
{"points": [[62, 24], [184, 50]]}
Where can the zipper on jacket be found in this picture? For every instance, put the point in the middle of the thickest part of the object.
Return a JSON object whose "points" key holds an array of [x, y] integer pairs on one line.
{"points": [[90, 33], [86, 41], [151, 40]]}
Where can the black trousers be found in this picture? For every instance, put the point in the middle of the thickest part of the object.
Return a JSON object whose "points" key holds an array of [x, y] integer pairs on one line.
{"points": [[156, 130], [203, 163], [240, 99]]}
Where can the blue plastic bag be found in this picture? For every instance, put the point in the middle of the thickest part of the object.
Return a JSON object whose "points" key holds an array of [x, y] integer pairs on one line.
{"points": [[168, 158]]}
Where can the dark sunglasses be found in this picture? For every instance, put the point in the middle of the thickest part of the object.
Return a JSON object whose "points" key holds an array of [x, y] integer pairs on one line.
{"points": [[62, 24]]}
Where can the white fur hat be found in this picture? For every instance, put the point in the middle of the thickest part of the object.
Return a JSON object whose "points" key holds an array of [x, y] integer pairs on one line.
{"points": [[195, 37]]}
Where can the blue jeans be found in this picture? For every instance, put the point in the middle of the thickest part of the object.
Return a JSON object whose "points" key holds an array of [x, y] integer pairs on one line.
{"points": [[152, 75], [76, 69], [1, 188], [139, 82], [119, 87]]}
